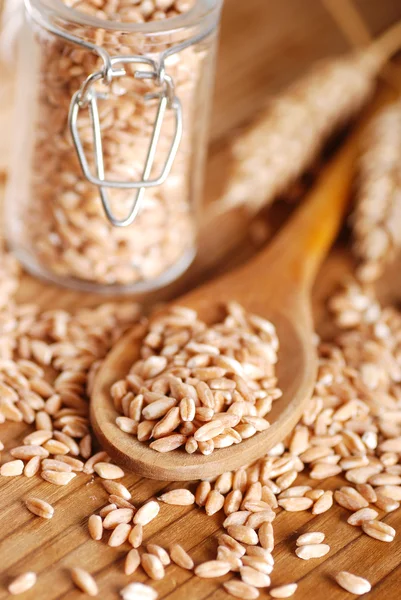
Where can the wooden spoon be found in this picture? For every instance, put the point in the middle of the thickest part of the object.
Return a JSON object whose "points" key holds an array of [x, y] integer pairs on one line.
{"points": [[276, 284]]}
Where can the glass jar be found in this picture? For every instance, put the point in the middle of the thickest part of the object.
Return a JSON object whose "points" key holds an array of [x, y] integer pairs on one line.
{"points": [[110, 138]]}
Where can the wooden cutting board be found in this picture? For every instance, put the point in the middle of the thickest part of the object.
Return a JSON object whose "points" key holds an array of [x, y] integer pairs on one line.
{"points": [[263, 47]]}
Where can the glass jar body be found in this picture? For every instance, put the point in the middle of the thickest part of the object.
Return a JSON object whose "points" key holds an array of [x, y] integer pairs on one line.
{"points": [[55, 221]]}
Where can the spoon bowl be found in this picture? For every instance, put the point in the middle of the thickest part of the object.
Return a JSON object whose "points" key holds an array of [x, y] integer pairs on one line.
{"points": [[296, 369]]}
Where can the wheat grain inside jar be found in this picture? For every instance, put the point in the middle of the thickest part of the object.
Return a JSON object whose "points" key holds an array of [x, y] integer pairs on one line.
{"points": [[110, 140]]}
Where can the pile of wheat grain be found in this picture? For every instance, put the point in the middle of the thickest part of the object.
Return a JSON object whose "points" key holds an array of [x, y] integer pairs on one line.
{"points": [[47, 359], [351, 430], [197, 386]]}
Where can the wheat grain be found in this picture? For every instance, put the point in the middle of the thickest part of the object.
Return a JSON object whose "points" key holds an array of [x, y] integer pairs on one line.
{"points": [[37, 438], [362, 474], [232, 544], [313, 494], [256, 520], [256, 506], [138, 591], [169, 443], [107, 509], [379, 530], [323, 504], [152, 566], [349, 498], [214, 502], [127, 425], [384, 479], [312, 537], [55, 447], [67, 440], [364, 514], [266, 536], [254, 577], [367, 491], [236, 518], [28, 452], [116, 488], [136, 536], [212, 569], [309, 551], [119, 535], [181, 557], [89, 466], [224, 482], [132, 562], [243, 534], [146, 513], [120, 502], [391, 445], [40, 508], [95, 526], [286, 480], [259, 563], [241, 590], [84, 581], [298, 491], [386, 504], [179, 497], [22, 583], [58, 477], [115, 517], [391, 491], [32, 467], [108, 470], [224, 554], [269, 497], [352, 583], [232, 501], [324, 471], [158, 408], [12, 468], [253, 494], [283, 591], [160, 552], [295, 504]]}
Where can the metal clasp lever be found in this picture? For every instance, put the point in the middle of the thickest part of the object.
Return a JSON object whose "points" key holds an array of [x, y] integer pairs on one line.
{"points": [[87, 97]]}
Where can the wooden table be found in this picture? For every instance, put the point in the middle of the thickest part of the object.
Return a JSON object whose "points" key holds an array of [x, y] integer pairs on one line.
{"points": [[264, 45]]}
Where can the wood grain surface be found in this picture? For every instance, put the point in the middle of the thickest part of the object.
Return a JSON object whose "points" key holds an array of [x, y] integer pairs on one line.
{"points": [[264, 45]]}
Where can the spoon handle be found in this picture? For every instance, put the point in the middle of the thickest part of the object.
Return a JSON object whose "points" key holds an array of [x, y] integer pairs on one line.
{"points": [[306, 239]]}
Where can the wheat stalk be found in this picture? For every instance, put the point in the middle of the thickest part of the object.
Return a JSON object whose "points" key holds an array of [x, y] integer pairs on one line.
{"points": [[377, 216], [290, 133]]}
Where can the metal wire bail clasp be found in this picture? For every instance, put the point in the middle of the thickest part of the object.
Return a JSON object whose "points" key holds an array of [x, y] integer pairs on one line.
{"points": [[87, 97]]}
